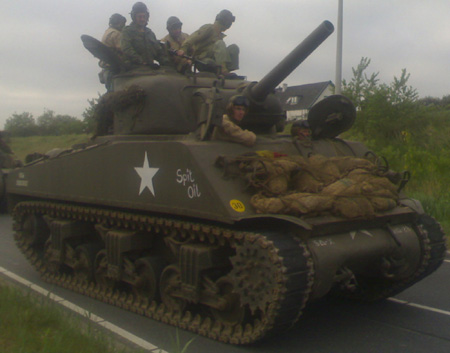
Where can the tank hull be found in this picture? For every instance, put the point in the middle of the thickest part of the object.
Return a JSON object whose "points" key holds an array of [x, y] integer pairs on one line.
{"points": [[152, 225]]}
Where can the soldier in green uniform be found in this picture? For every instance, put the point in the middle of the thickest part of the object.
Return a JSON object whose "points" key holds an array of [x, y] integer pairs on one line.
{"points": [[139, 43], [206, 44]]}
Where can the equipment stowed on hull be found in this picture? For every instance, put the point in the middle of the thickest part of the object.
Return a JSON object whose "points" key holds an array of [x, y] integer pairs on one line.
{"points": [[227, 241]]}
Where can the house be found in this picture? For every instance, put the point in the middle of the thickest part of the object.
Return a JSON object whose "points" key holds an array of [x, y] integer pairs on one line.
{"points": [[298, 100]]}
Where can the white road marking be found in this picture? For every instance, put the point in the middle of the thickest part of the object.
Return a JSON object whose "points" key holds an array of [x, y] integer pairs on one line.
{"points": [[446, 260], [419, 306], [79, 310]]}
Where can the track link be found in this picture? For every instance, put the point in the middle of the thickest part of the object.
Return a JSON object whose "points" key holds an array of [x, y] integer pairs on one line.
{"points": [[285, 291]]}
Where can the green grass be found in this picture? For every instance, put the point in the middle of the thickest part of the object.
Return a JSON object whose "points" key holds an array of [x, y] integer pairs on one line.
{"points": [[31, 323], [22, 146]]}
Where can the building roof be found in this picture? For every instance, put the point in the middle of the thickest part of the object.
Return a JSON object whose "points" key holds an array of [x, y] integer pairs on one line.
{"points": [[302, 96]]}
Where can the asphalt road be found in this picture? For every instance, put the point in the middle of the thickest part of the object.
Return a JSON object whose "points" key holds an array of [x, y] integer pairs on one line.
{"points": [[416, 321]]}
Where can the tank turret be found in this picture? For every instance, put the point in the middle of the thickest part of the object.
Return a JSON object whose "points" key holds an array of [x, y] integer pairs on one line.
{"points": [[165, 102]]}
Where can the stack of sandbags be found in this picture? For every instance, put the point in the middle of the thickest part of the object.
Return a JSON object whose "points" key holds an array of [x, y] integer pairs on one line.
{"points": [[345, 186]]}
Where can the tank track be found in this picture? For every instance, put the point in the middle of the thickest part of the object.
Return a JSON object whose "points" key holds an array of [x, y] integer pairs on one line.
{"points": [[289, 262], [433, 244]]}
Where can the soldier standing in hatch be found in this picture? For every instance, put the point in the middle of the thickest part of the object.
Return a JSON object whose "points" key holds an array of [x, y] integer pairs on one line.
{"points": [[206, 44], [111, 38], [230, 130], [139, 43], [174, 39]]}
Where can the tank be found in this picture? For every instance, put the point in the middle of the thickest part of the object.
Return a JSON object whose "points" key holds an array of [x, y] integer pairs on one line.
{"points": [[227, 241]]}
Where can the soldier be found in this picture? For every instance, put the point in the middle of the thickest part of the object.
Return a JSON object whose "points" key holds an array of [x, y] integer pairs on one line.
{"points": [[206, 44], [230, 130], [301, 130], [175, 37], [111, 38], [174, 40], [139, 43]]}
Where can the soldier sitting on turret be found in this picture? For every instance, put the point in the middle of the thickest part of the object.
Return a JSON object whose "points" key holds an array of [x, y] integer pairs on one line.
{"points": [[230, 130], [174, 40], [111, 38], [206, 44], [139, 43]]}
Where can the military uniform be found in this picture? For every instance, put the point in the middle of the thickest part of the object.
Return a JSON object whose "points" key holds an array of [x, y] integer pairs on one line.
{"points": [[175, 43], [206, 44], [230, 131], [111, 38], [142, 48]]}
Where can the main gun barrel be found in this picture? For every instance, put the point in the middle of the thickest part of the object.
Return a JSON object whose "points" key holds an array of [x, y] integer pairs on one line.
{"points": [[269, 82]]}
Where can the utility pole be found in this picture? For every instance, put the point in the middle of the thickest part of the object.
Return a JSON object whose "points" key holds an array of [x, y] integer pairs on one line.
{"points": [[338, 80]]}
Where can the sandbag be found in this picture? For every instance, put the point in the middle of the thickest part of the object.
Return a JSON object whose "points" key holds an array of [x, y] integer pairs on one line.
{"points": [[353, 207], [304, 181]]}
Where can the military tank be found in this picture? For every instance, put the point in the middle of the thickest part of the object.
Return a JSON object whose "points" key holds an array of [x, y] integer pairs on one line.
{"points": [[154, 216]]}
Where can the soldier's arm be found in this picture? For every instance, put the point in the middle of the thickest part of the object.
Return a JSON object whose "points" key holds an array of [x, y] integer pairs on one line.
{"points": [[236, 134], [197, 37]]}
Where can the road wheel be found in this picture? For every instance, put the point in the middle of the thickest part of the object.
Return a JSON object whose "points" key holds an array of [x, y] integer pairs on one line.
{"points": [[148, 273], [234, 312], [170, 289], [101, 271], [84, 266]]}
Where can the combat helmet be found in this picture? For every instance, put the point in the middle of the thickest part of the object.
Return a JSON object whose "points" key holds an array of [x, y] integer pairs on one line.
{"points": [[138, 8], [226, 18], [173, 21], [116, 20], [237, 100]]}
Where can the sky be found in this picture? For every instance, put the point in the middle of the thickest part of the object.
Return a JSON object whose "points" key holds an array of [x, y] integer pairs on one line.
{"points": [[44, 66]]}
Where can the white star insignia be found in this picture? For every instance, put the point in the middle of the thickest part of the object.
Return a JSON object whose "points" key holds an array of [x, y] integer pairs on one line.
{"points": [[146, 173]]}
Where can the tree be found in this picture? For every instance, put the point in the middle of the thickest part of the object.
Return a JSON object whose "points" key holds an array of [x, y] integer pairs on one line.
{"points": [[385, 112], [50, 124], [89, 119], [21, 125], [361, 86]]}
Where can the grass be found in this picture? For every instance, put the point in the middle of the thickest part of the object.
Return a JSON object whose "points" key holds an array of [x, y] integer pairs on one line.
{"points": [[22, 146], [31, 323]]}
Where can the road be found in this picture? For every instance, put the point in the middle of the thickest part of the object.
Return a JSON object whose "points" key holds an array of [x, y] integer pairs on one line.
{"points": [[416, 321]]}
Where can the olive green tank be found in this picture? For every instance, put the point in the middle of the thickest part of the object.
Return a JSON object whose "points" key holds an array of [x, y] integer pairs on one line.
{"points": [[228, 241]]}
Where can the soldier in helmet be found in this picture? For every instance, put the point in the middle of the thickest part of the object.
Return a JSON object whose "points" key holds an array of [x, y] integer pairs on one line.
{"points": [[174, 39], [139, 43], [230, 130], [301, 130], [111, 38], [206, 44]]}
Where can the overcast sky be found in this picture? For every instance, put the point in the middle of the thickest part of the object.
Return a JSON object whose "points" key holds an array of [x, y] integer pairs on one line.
{"points": [[43, 64]]}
